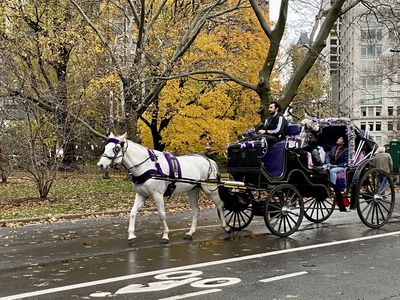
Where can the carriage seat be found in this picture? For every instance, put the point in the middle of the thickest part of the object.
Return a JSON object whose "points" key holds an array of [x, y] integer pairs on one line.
{"points": [[274, 159], [292, 136]]}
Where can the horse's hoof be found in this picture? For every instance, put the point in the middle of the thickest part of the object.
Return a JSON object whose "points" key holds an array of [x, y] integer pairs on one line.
{"points": [[187, 237], [131, 241], [228, 230], [164, 241]]}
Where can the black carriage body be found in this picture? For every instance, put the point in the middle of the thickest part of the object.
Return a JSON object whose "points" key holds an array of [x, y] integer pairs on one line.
{"points": [[281, 184], [263, 169], [247, 155]]}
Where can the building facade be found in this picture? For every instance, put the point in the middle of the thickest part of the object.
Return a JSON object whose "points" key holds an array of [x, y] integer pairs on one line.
{"points": [[369, 86]]}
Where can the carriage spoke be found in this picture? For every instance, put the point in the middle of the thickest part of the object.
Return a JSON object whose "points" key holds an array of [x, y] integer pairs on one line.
{"points": [[370, 208], [229, 212], [238, 218], [365, 195], [293, 220], [230, 218], [241, 215], [234, 219], [376, 214], [384, 207], [284, 223], [380, 211], [244, 213], [386, 201]]}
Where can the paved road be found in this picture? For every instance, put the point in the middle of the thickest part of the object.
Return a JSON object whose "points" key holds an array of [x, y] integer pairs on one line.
{"points": [[340, 259]]}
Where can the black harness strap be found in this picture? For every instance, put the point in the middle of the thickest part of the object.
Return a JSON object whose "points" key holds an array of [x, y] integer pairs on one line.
{"points": [[143, 177]]}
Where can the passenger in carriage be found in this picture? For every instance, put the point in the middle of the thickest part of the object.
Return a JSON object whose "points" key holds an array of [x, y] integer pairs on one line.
{"points": [[337, 159], [314, 149], [274, 128]]}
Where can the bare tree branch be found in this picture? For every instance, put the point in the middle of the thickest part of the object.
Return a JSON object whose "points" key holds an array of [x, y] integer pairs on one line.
{"points": [[100, 35], [263, 22], [227, 77]]}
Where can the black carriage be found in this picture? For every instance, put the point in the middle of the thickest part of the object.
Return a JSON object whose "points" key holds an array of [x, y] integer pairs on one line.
{"points": [[282, 184]]}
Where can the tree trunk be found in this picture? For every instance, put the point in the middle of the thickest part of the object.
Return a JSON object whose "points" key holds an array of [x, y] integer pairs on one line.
{"points": [[313, 52]]}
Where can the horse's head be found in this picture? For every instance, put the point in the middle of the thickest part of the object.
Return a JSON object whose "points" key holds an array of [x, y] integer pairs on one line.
{"points": [[113, 151]]}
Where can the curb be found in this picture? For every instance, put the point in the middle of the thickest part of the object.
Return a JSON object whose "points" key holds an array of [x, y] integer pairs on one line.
{"points": [[4, 222]]}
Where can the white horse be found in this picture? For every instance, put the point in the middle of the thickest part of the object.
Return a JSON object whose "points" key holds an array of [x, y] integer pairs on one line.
{"points": [[143, 164]]}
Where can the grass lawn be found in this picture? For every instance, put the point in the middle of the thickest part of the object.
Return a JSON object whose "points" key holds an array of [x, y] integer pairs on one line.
{"points": [[84, 191]]}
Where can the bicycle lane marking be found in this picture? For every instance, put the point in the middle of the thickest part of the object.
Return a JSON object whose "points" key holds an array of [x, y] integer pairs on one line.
{"points": [[193, 266]]}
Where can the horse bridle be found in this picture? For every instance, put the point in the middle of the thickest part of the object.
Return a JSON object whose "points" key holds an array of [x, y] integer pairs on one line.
{"points": [[119, 147]]}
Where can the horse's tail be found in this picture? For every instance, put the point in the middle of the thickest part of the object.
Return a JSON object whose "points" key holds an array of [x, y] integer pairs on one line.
{"points": [[213, 172]]}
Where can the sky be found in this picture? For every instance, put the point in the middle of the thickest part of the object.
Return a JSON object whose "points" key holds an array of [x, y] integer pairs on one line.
{"points": [[299, 16]]}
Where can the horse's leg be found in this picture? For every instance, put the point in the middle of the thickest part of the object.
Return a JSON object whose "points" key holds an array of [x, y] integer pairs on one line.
{"points": [[213, 194], [139, 200], [193, 196], [159, 201]]}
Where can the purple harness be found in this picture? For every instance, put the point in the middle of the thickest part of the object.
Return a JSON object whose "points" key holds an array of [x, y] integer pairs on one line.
{"points": [[173, 164]]}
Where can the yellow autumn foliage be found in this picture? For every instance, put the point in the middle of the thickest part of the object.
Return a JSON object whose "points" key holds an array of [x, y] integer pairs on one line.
{"points": [[214, 112]]}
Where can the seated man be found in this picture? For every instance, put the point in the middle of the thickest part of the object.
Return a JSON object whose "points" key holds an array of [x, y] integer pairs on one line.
{"points": [[337, 159], [274, 128]]}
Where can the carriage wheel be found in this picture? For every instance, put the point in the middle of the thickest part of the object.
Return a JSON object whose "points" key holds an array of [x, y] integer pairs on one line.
{"points": [[238, 219], [238, 210], [375, 198], [317, 209], [284, 210]]}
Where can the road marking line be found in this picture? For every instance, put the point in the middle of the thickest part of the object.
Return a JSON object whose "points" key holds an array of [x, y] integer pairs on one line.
{"points": [[283, 276], [199, 265], [184, 296]]}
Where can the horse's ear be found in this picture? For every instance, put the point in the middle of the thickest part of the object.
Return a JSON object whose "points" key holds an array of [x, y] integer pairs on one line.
{"points": [[123, 137], [111, 135]]}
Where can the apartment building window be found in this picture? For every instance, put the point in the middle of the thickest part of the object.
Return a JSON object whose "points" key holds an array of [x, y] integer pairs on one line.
{"points": [[370, 51], [371, 126], [371, 97], [398, 125], [371, 34], [398, 110], [371, 82], [363, 126], [368, 65], [390, 110], [378, 126], [390, 126], [363, 111], [371, 111]]}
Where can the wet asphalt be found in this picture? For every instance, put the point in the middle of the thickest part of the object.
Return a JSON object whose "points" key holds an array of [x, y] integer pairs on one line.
{"points": [[46, 256]]}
